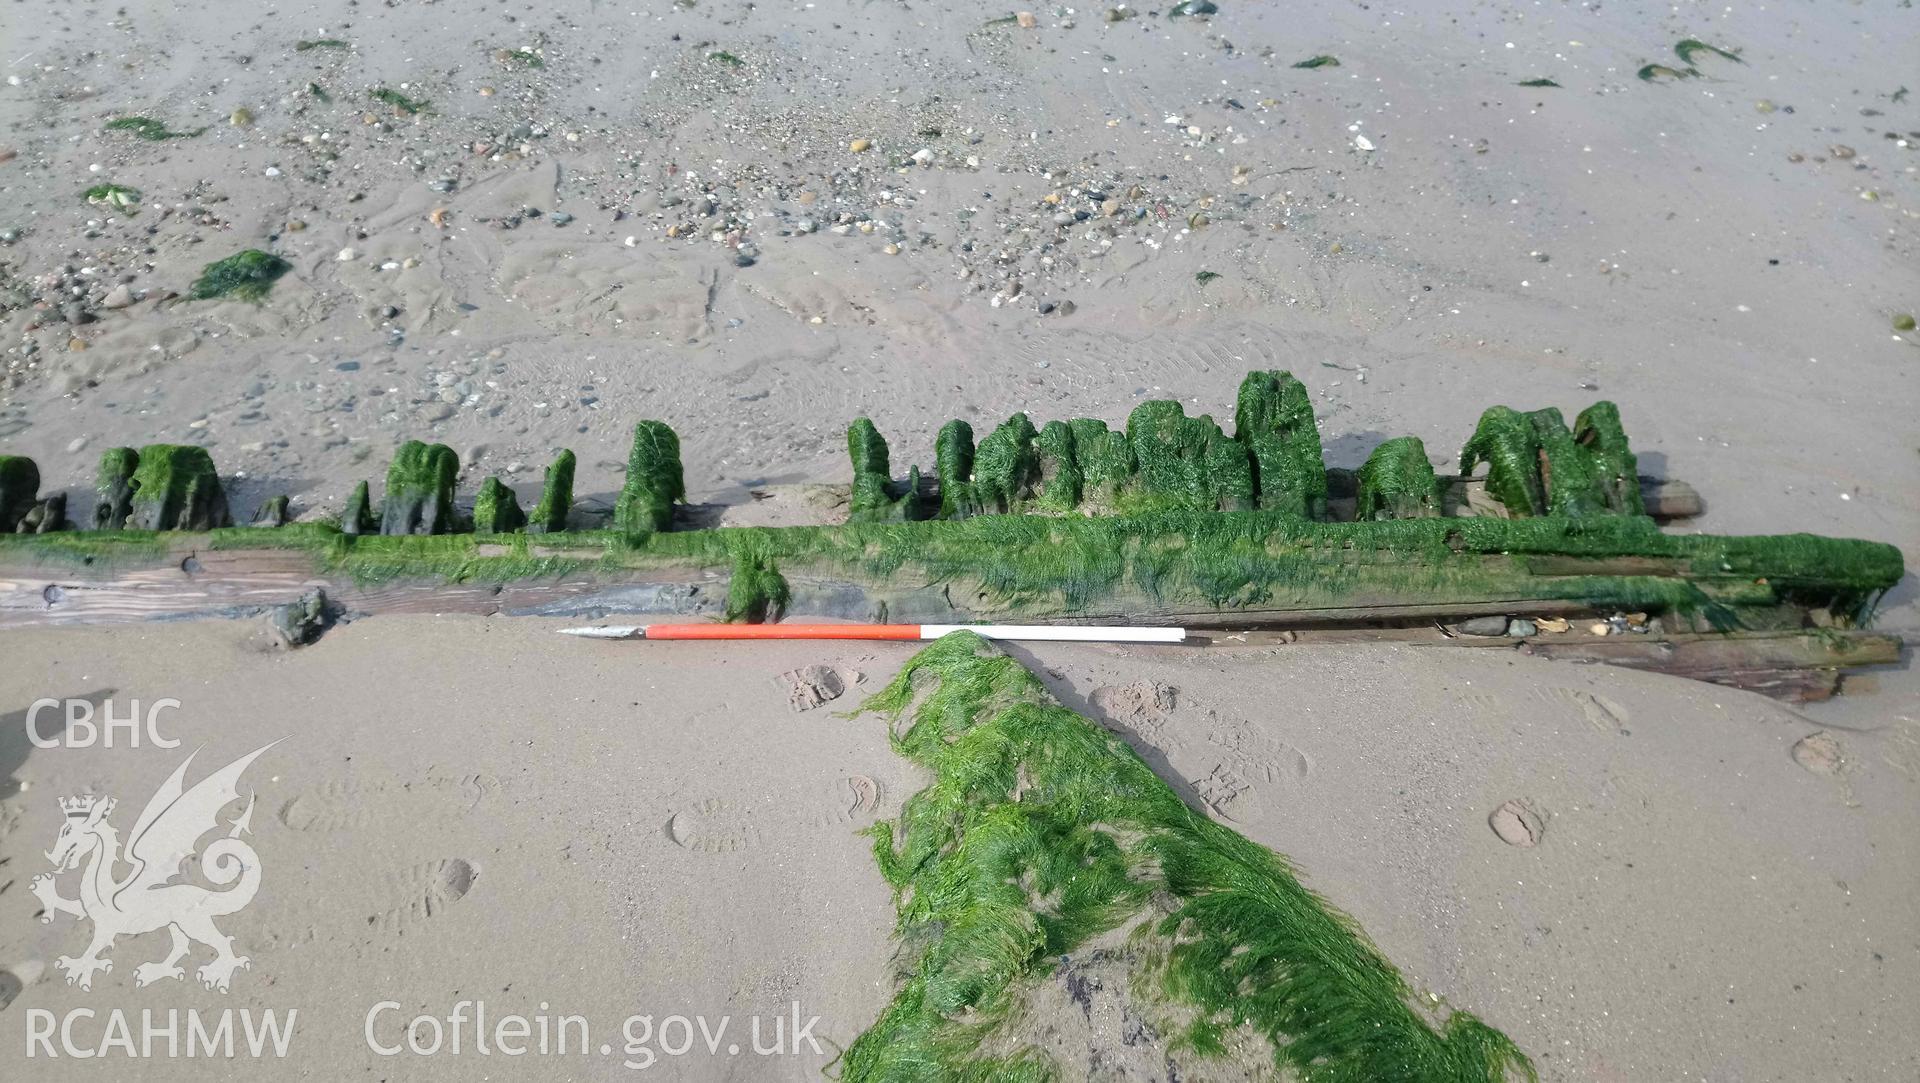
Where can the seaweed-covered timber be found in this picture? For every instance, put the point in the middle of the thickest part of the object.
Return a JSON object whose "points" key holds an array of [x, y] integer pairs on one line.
{"points": [[45, 517], [273, 513], [874, 497], [358, 517], [655, 482], [19, 489], [419, 497], [114, 487], [1398, 482], [1273, 417], [495, 511], [1536, 466], [556, 497], [1042, 838], [175, 487], [1166, 519]]}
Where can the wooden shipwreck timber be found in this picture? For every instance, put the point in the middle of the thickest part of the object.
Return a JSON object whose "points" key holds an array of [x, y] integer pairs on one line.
{"points": [[1555, 549]]}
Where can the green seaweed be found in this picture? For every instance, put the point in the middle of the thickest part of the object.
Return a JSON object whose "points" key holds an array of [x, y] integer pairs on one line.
{"points": [[556, 497], [1506, 441], [523, 58], [1168, 542], [358, 518], [308, 45], [1059, 480], [1273, 419], [1186, 462], [1106, 463], [1321, 61], [953, 463], [655, 481], [723, 57], [149, 129], [1597, 429], [1685, 48], [1397, 482], [1651, 72], [118, 196], [756, 591], [175, 487], [374, 559], [1204, 277], [247, 276], [400, 102], [419, 495], [1042, 831], [95, 550], [19, 490], [1538, 467], [872, 472], [275, 513], [1006, 468], [1079, 567], [1538, 83], [1568, 472], [496, 510]]}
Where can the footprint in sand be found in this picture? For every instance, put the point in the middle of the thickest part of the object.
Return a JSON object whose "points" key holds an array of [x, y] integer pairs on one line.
{"points": [[713, 825], [1601, 713], [810, 686], [1227, 793], [1258, 755], [851, 800], [422, 892], [1141, 708], [1518, 824], [349, 806], [721, 825], [1819, 753]]}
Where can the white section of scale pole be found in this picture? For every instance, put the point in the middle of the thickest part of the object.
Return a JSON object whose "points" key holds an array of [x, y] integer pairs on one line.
{"points": [[1071, 633]]}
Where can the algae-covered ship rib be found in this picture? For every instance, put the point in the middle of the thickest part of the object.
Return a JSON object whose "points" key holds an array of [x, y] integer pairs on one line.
{"points": [[1043, 842], [1168, 518]]}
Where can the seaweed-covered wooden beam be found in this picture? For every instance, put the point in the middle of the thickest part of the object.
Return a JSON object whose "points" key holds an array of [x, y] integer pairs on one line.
{"points": [[1168, 518]]}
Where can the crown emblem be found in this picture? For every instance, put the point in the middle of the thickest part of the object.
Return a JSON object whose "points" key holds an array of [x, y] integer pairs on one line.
{"points": [[80, 806]]}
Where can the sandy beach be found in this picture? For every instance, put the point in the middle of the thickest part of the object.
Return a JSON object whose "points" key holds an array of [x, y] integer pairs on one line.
{"points": [[515, 230], [619, 829]]}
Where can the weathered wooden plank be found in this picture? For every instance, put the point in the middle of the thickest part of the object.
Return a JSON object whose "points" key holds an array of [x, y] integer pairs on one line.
{"points": [[1793, 666]]}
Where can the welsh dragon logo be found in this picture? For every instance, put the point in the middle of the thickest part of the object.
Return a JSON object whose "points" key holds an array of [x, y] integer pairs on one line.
{"points": [[149, 897]]}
